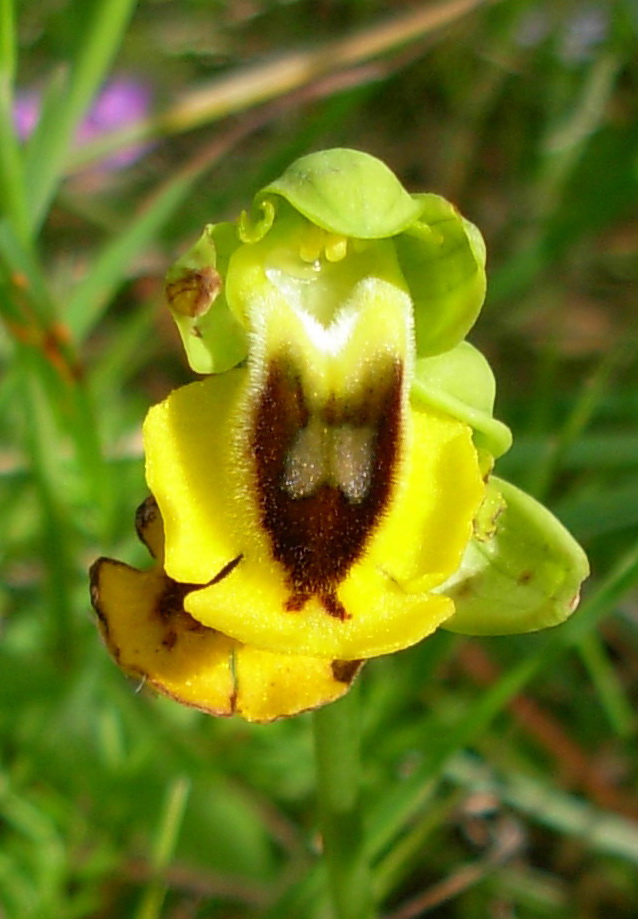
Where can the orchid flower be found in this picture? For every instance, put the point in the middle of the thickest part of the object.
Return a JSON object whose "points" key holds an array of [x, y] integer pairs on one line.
{"points": [[324, 494]]}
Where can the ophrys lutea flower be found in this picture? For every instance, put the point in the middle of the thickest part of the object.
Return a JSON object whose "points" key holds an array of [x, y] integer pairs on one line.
{"points": [[324, 494]]}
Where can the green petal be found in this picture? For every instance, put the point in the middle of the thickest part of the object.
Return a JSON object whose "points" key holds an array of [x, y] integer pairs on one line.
{"points": [[521, 571], [461, 383], [347, 192], [443, 259], [213, 338]]}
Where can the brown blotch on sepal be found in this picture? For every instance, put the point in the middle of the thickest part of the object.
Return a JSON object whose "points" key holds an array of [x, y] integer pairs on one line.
{"points": [[194, 292]]}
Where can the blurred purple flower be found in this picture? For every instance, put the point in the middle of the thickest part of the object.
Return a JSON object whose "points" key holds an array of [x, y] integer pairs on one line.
{"points": [[585, 31], [577, 36], [120, 103], [532, 28], [26, 112]]}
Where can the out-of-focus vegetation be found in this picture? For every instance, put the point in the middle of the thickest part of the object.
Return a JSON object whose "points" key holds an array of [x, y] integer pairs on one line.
{"points": [[499, 774]]}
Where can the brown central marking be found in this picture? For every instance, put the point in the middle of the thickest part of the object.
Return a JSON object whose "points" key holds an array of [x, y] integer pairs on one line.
{"points": [[317, 537]]}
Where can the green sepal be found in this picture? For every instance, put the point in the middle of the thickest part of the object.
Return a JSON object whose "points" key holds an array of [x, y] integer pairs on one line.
{"points": [[521, 571], [347, 192], [461, 383], [442, 257], [213, 338]]}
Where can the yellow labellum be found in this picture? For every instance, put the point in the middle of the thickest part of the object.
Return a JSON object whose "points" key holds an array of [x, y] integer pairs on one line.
{"points": [[151, 637], [205, 492]]}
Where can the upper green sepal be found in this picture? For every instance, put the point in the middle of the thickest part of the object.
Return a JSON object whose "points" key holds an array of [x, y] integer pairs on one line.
{"points": [[460, 382], [347, 192], [326, 208], [521, 571], [441, 255], [213, 338]]}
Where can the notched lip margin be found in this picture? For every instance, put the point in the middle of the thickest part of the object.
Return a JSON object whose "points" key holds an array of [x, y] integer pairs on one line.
{"points": [[343, 671]]}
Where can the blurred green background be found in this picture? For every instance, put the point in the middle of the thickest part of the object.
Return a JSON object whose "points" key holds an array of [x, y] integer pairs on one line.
{"points": [[499, 774]]}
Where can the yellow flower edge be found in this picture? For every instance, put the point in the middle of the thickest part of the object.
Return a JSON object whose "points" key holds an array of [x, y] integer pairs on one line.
{"points": [[150, 636], [203, 484]]}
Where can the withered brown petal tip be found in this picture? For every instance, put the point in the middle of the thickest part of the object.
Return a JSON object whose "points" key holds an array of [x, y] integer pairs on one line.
{"points": [[145, 515], [94, 586]]}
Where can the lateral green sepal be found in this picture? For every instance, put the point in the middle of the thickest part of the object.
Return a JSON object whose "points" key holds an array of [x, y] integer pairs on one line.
{"points": [[521, 571], [442, 257]]}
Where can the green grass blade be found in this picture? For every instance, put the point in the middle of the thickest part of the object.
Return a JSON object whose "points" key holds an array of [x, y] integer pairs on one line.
{"points": [[31, 298], [165, 841], [12, 196], [91, 297], [45, 454], [605, 511], [52, 140], [396, 808], [599, 830], [611, 693]]}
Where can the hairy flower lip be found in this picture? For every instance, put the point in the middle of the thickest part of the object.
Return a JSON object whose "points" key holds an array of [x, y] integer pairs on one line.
{"points": [[387, 590]]}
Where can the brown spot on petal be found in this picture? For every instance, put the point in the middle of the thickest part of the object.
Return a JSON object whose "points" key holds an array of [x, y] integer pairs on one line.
{"points": [[345, 671], [324, 474], [333, 605], [330, 602], [170, 639], [170, 602]]}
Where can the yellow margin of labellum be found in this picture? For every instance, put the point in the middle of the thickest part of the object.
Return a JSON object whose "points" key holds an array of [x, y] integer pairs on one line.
{"points": [[151, 637]]}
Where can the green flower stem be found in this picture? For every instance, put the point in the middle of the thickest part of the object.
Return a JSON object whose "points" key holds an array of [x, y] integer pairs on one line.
{"points": [[336, 734], [170, 824]]}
